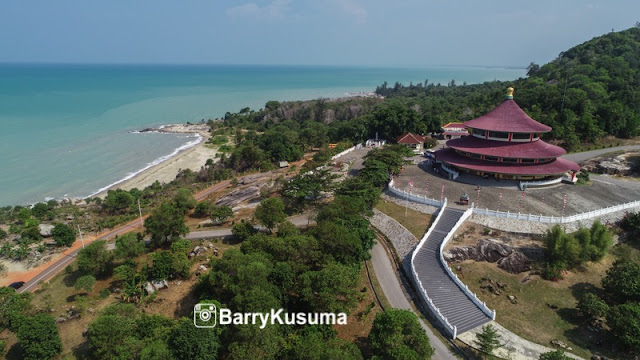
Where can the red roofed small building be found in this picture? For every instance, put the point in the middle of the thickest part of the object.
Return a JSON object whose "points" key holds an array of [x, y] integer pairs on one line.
{"points": [[506, 144], [454, 130], [412, 141]]}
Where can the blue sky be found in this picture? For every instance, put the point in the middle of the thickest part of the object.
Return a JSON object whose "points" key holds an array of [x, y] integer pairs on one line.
{"points": [[320, 32]]}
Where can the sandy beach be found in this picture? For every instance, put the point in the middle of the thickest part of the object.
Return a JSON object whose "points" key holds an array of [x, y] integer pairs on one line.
{"points": [[192, 158]]}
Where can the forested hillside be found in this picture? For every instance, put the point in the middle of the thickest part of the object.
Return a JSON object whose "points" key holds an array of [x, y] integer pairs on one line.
{"points": [[589, 91]]}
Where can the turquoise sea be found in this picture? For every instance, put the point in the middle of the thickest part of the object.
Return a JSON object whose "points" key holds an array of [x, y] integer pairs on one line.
{"points": [[65, 129]]}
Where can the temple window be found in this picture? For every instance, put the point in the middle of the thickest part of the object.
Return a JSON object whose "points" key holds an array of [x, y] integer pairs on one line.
{"points": [[478, 132], [498, 134], [510, 160], [528, 161], [521, 136]]}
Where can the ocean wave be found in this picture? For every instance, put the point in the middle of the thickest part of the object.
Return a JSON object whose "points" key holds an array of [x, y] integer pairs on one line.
{"points": [[155, 162]]}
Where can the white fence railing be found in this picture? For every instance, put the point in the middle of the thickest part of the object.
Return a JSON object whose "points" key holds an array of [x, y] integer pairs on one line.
{"points": [[525, 184], [471, 295], [422, 293], [454, 174], [412, 197], [558, 219], [346, 151]]}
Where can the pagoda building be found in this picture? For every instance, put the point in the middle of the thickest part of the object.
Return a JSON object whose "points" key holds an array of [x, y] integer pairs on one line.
{"points": [[506, 144]]}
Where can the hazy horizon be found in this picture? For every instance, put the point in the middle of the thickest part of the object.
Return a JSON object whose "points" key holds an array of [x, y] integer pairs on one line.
{"points": [[303, 32]]}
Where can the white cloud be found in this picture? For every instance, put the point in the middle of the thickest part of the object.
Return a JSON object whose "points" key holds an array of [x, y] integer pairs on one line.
{"points": [[275, 10], [353, 8]]}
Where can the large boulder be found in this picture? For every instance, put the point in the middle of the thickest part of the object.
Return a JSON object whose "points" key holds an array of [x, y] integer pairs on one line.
{"points": [[504, 255], [45, 230], [515, 263], [493, 251]]}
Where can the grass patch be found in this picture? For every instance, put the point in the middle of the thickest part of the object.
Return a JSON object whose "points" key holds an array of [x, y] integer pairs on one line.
{"points": [[218, 140], [360, 319], [545, 310], [415, 221]]}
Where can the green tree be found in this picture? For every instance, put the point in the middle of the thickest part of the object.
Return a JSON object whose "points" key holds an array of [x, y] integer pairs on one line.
{"points": [[243, 230], [166, 223], [488, 340], [86, 282], [190, 343], [63, 235], [203, 209], [308, 186], [117, 201], [270, 212], [38, 337], [624, 321], [112, 336], [184, 200], [554, 355], [129, 246], [31, 234], [331, 288], [12, 306], [622, 281], [95, 259], [220, 214], [315, 346], [592, 306], [397, 334], [42, 211]]}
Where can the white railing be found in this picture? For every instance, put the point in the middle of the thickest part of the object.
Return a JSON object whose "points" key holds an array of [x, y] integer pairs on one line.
{"points": [[471, 295], [346, 151], [412, 197], [558, 219], [454, 174], [422, 293], [525, 184]]}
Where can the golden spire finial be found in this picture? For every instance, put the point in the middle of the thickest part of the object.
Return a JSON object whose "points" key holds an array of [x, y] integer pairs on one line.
{"points": [[509, 93]]}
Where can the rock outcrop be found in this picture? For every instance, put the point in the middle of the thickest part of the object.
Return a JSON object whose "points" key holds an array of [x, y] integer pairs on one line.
{"points": [[45, 230], [237, 196], [505, 256]]}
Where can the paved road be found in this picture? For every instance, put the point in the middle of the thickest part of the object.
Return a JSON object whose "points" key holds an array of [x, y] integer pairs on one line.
{"points": [[585, 155], [390, 284], [57, 266]]}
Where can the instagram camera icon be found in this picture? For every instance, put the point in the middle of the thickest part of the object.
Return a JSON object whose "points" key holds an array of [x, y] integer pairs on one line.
{"points": [[204, 316]]}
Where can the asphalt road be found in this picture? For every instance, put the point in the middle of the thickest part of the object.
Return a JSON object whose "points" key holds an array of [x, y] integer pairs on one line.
{"points": [[67, 259], [586, 155], [392, 288]]}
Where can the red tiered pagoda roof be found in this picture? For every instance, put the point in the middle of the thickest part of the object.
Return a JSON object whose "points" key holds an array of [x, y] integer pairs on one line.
{"points": [[556, 167], [508, 117], [527, 150], [507, 145]]}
